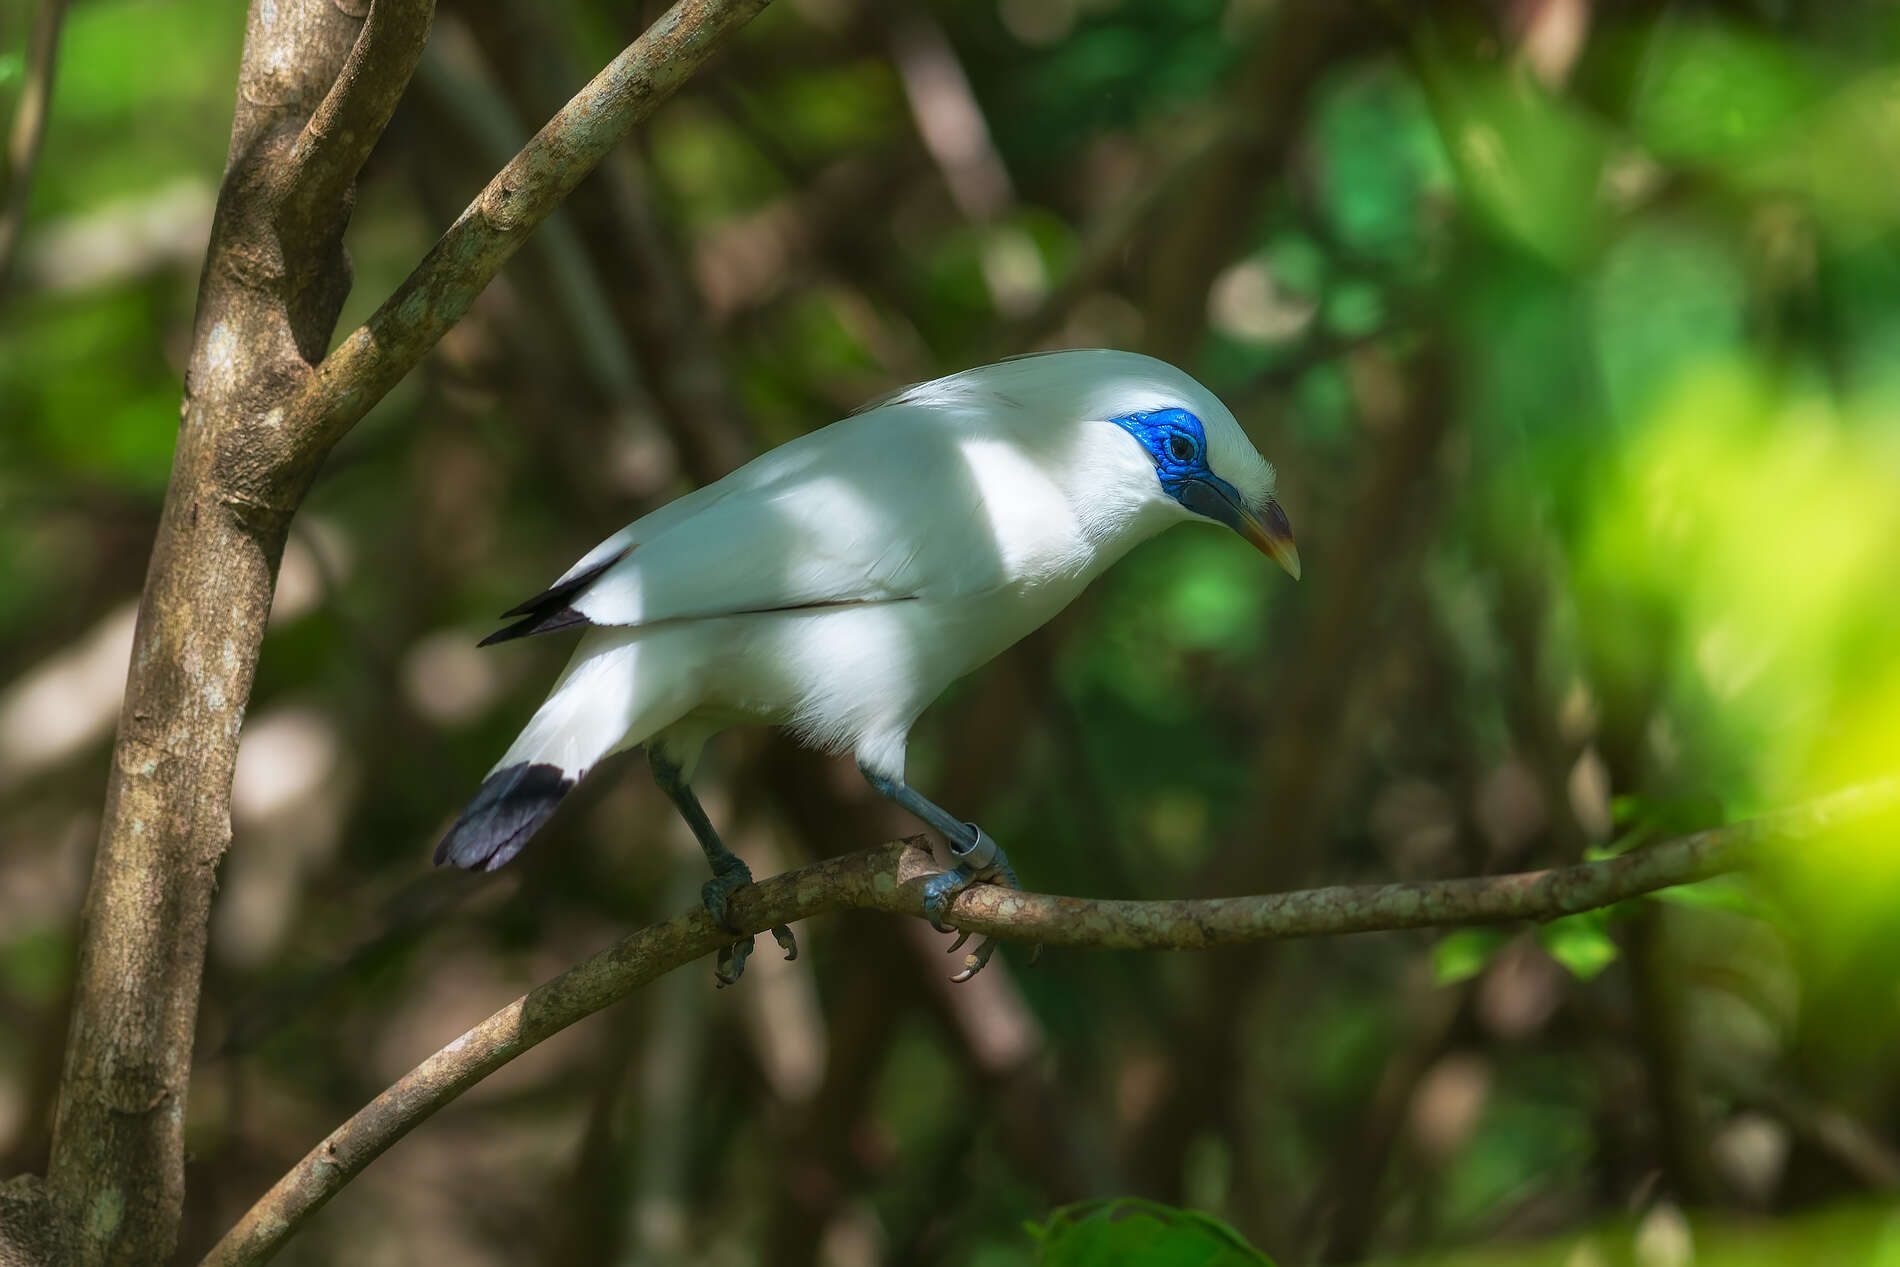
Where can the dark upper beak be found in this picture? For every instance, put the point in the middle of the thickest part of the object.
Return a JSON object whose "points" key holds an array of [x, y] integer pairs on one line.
{"points": [[1268, 530]]}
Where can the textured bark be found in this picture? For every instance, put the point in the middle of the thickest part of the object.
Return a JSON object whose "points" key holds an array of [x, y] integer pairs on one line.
{"points": [[267, 299], [890, 878], [31, 1235], [318, 81]]}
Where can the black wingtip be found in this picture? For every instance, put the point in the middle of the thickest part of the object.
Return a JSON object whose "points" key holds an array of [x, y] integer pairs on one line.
{"points": [[557, 594], [542, 622], [510, 808]]}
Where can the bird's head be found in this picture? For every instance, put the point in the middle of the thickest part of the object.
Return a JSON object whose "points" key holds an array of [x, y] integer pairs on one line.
{"points": [[1204, 461], [1135, 439], [1188, 458]]}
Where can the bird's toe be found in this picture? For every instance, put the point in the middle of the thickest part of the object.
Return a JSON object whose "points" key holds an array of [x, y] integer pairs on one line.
{"points": [[717, 893], [979, 861], [940, 891], [730, 965]]}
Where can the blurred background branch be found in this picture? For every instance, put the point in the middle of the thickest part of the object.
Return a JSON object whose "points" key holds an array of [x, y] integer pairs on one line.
{"points": [[27, 129], [372, 359]]}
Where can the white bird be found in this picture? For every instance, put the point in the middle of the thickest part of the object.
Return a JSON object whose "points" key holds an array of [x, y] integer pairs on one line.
{"points": [[840, 582]]}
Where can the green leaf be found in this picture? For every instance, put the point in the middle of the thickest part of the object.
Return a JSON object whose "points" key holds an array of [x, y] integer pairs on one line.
{"points": [[1129, 1232], [1580, 942], [1464, 953], [1650, 818], [1527, 162], [1716, 94], [1668, 815], [37, 966], [1732, 893]]}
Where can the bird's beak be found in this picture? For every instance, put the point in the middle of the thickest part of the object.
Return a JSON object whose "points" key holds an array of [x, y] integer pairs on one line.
{"points": [[1272, 535], [1268, 530]]}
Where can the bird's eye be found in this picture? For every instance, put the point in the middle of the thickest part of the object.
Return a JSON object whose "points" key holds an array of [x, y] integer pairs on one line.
{"points": [[1180, 448]]}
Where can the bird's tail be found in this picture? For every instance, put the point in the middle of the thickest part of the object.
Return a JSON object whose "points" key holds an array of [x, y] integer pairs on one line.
{"points": [[610, 697]]}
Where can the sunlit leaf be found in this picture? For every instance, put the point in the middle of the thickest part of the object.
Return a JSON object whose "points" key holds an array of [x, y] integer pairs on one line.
{"points": [[1580, 942], [1128, 1232], [1531, 166], [1464, 953], [1740, 567], [1710, 92], [1381, 159], [1738, 895]]}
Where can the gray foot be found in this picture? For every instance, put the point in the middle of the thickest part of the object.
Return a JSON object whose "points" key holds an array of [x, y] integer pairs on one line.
{"points": [[729, 876], [982, 861]]}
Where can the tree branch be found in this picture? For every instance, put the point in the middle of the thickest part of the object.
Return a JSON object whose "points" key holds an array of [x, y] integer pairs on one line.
{"points": [[890, 878], [432, 298], [29, 129], [336, 140]]}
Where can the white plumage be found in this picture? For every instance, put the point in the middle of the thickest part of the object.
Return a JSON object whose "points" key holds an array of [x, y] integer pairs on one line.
{"points": [[839, 583]]}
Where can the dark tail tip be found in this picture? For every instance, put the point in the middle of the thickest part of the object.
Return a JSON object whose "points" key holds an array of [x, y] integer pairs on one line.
{"points": [[511, 806]]}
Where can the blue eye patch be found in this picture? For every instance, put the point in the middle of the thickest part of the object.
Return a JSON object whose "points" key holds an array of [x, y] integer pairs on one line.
{"points": [[1177, 444]]}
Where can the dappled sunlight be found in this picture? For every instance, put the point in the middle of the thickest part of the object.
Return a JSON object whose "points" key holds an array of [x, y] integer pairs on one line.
{"points": [[1744, 549], [447, 679], [1737, 571], [66, 702], [289, 797]]}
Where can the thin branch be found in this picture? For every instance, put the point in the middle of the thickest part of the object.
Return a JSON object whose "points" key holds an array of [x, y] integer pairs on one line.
{"points": [[890, 878], [462, 92], [1845, 1140], [432, 298], [29, 129], [948, 116], [336, 141]]}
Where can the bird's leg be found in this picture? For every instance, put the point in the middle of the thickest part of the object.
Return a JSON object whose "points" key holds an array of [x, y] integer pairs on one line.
{"points": [[979, 860], [730, 873]]}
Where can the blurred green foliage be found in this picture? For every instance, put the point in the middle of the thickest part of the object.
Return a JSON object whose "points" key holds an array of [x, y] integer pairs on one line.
{"points": [[1127, 1232]]}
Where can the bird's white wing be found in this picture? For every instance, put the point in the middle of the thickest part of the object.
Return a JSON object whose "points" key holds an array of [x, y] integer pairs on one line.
{"points": [[876, 508]]}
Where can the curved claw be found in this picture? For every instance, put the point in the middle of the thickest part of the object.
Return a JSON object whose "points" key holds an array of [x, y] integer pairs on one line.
{"points": [[786, 942], [957, 945], [974, 961], [731, 963]]}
